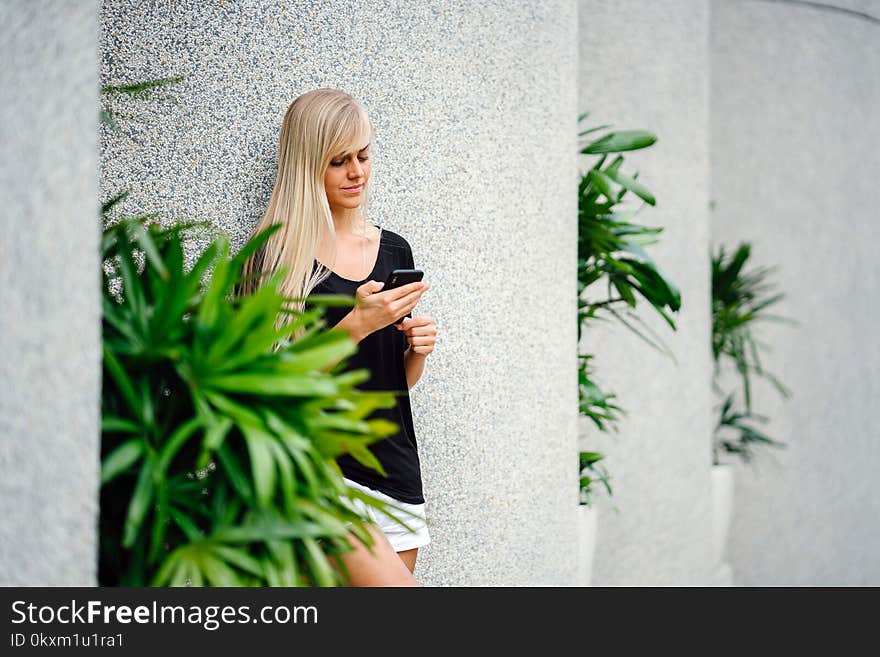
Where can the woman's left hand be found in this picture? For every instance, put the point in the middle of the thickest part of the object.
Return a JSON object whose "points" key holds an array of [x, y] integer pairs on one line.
{"points": [[421, 333]]}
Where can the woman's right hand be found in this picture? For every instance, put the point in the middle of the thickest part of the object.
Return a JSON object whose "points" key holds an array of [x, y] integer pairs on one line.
{"points": [[378, 309]]}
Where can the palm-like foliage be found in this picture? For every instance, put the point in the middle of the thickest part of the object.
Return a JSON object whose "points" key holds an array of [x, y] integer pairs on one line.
{"points": [[740, 299], [218, 451], [593, 402], [591, 471], [137, 90], [747, 437], [611, 247]]}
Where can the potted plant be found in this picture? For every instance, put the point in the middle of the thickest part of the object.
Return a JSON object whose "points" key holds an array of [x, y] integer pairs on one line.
{"points": [[218, 448], [739, 299], [610, 249]]}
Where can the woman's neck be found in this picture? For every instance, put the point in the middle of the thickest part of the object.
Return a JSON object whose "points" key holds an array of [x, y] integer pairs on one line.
{"points": [[349, 222], [352, 232]]}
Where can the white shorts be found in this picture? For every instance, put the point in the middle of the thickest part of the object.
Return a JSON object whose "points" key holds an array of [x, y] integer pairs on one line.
{"points": [[399, 536]]}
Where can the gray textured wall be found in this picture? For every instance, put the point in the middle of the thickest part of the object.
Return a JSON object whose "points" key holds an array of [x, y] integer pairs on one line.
{"points": [[644, 65], [474, 107], [50, 285], [795, 164], [474, 163]]}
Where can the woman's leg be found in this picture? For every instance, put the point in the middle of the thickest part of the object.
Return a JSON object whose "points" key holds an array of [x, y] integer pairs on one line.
{"points": [[381, 567], [409, 558]]}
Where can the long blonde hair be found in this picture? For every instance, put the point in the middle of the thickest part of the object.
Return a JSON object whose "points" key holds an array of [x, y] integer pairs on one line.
{"points": [[318, 126]]}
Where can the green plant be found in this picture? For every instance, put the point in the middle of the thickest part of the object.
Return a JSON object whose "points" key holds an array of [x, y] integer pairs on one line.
{"points": [[218, 452], [138, 90], [590, 471], [610, 247], [594, 403], [746, 436], [740, 299]]}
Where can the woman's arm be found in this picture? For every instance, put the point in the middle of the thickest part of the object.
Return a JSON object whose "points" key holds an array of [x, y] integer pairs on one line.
{"points": [[353, 324], [414, 364]]}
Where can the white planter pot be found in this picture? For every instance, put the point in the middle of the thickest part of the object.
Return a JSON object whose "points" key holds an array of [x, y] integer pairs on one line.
{"points": [[587, 517], [722, 509]]}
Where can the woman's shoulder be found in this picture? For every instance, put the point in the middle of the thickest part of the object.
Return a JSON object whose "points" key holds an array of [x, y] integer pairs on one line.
{"points": [[395, 244], [394, 238]]}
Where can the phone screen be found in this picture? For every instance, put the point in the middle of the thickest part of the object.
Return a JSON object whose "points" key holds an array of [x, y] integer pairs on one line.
{"points": [[400, 277]]}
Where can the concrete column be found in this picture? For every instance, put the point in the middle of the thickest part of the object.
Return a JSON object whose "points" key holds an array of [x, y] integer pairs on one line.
{"points": [[50, 282], [795, 143], [645, 65]]}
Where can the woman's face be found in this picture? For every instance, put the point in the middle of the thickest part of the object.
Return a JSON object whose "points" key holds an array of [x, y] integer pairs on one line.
{"points": [[345, 179]]}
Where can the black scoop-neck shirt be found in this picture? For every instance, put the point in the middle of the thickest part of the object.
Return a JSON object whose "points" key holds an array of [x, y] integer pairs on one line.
{"points": [[381, 353]]}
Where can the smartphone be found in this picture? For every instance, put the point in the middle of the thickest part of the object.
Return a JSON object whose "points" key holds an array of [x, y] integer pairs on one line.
{"points": [[399, 277]]}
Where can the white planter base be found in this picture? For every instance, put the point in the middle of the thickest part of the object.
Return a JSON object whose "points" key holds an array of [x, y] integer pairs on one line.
{"points": [[722, 512], [587, 518]]}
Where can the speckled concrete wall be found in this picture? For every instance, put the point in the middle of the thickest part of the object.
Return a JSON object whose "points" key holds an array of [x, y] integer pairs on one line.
{"points": [[50, 326], [475, 164], [644, 65], [795, 143]]}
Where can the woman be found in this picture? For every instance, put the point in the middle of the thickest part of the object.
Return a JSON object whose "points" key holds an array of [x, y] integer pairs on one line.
{"points": [[328, 247]]}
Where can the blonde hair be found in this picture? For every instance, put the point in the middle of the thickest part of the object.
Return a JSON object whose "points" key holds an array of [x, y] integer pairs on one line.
{"points": [[318, 126]]}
